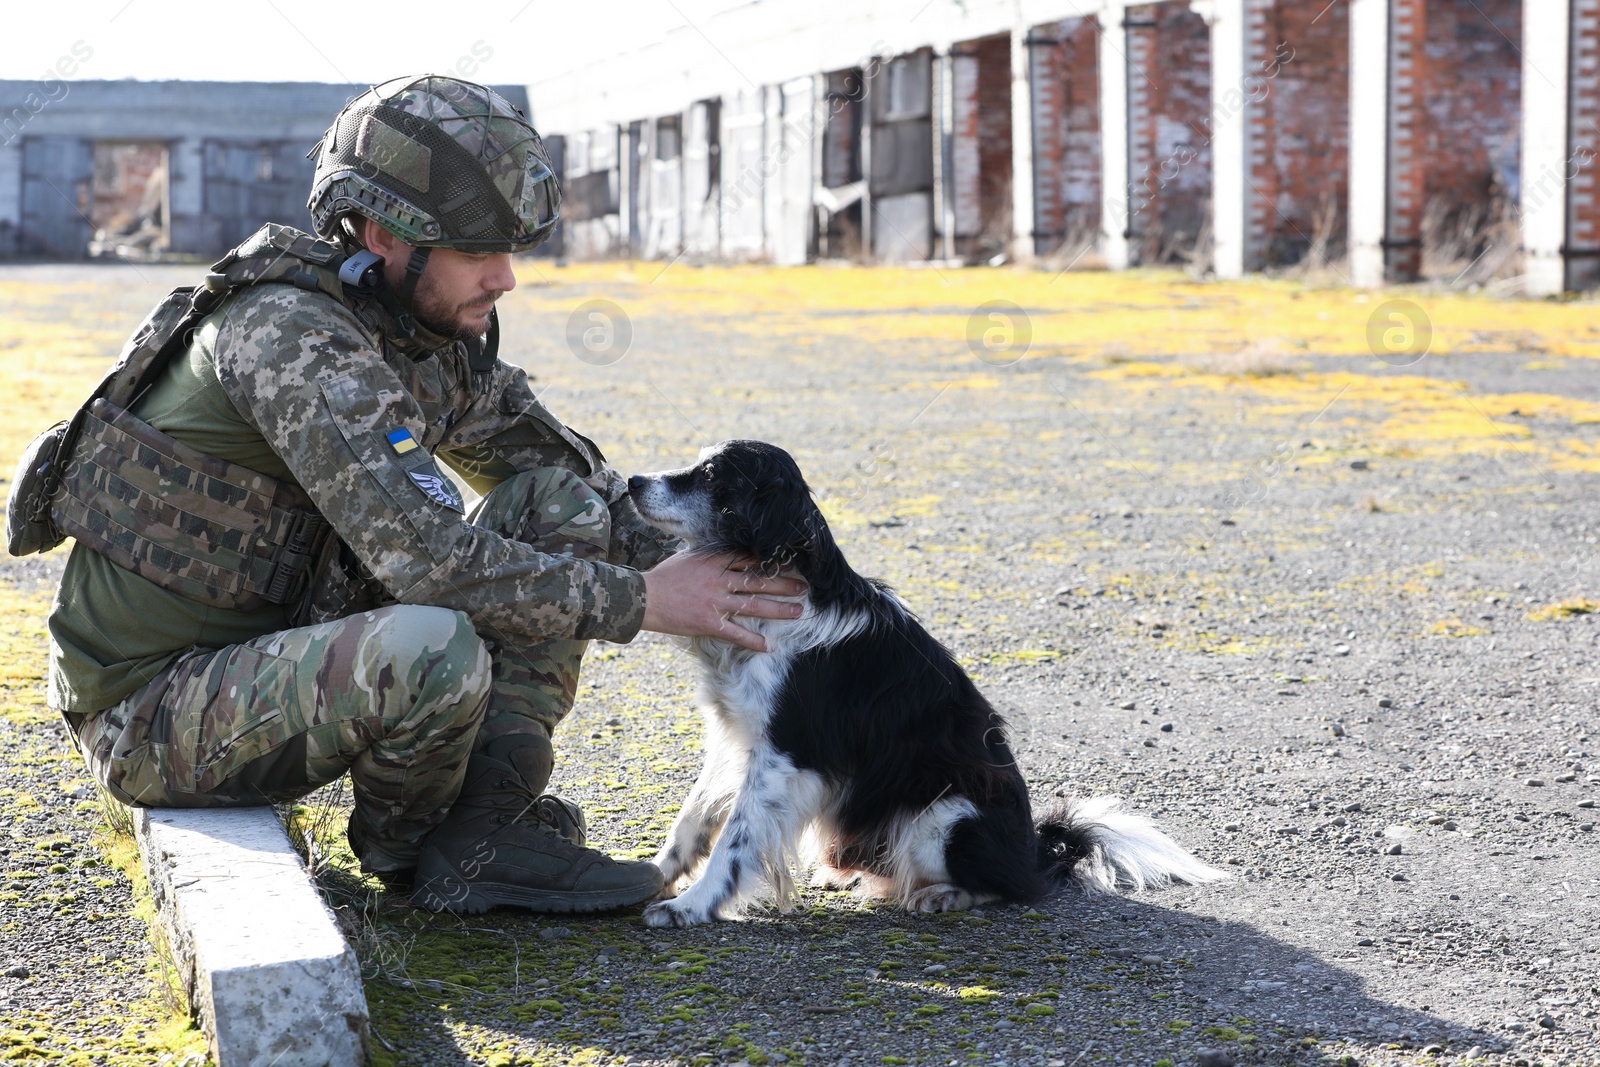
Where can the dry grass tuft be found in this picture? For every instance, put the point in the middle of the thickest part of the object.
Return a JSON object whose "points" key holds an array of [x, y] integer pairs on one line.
{"points": [[1259, 359]]}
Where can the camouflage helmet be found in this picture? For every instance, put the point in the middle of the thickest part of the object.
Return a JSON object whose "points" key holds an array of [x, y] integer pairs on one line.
{"points": [[439, 163]]}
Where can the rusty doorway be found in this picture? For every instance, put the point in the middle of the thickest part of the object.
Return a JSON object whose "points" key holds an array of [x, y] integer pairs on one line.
{"points": [[129, 208]]}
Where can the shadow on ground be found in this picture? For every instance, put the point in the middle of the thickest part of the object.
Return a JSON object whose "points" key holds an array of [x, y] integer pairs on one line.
{"points": [[1075, 980]]}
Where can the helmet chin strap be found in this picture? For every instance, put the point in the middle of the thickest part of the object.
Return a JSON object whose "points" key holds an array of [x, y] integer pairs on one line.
{"points": [[481, 351], [408, 285], [398, 301]]}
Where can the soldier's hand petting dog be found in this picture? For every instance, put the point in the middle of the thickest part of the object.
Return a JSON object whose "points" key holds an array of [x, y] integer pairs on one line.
{"points": [[693, 595]]}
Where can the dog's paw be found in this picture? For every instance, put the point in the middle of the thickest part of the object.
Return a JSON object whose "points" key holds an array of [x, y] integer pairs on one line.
{"points": [[825, 877], [876, 887], [939, 898], [671, 869], [671, 913]]}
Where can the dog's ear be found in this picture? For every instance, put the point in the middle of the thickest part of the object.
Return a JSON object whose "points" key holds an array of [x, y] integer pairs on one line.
{"points": [[785, 523]]}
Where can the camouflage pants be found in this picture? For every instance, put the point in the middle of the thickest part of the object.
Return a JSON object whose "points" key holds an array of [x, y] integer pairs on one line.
{"points": [[398, 696]]}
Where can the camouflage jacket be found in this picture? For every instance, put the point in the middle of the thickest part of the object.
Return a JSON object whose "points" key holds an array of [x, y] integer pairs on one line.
{"points": [[358, 418]]}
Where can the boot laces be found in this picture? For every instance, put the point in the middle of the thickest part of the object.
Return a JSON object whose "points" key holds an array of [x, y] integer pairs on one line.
{"points": [[547, 812]]}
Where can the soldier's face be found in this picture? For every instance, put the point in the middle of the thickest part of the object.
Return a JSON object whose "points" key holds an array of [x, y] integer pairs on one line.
{"points": [[458, 290]]}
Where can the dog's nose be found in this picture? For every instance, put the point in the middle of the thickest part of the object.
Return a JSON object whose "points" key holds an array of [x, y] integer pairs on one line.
{"points": [[636, 483]]}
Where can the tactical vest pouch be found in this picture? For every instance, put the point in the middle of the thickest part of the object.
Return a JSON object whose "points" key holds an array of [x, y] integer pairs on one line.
{"points": [[38, 477], [204, 528], [199, 526], [30, 527]]}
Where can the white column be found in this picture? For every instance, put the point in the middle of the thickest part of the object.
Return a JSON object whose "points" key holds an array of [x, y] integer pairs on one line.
{"points": [[186, 195], [1230, 147], [772, 241], [1113, 136], [1546, 29], [645, 195], [869, 105], [943, 118], [1369, 139], [1021, 145], [791, 169], [818, 127], [624, 192]]}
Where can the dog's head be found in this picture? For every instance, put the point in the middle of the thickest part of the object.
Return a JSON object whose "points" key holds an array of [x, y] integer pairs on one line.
{"points": [[742, 496]]}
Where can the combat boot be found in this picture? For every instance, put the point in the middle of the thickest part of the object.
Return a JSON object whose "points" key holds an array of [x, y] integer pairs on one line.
{"points": [[504, 843]]}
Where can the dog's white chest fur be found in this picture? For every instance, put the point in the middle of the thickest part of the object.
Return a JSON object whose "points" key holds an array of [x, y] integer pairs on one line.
{"points": [[741, 687]]}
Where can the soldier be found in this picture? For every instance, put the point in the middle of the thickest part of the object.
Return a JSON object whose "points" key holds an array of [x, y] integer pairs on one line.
{"points": [[434, 652]]}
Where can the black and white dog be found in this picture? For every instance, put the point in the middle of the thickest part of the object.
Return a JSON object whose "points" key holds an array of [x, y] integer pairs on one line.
{"points": [[858, 735]]}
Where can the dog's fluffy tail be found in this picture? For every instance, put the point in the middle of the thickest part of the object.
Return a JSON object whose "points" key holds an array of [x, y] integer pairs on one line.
{"points": [[1092, 844]]}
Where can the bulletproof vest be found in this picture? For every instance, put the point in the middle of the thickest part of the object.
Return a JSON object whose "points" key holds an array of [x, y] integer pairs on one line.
{"points": [[213, 531]]}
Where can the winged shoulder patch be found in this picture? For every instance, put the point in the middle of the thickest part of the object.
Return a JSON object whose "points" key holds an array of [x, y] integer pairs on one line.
{"points": [[437, 488]]}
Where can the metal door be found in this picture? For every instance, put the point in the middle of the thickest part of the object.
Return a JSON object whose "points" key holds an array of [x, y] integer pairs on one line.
{"points": [[57, 184], [664, 234], [701, 176], [250, 183], [743, 179], [901, 158], [789, 228]]}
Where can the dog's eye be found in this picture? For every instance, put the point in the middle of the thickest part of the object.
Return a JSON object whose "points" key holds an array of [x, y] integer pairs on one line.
{"points": [[710, 472]]}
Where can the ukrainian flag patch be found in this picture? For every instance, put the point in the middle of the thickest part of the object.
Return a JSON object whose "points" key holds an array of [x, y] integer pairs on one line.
{"points": [[401, 441]]}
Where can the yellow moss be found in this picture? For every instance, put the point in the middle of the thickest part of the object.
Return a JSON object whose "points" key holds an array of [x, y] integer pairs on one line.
{"points": [[1455, 628], [24, 655], [918, 507], [1564, 609], [1216, 645], [1124, 371], [975, 381], [1092, 315], [1024, 655]]}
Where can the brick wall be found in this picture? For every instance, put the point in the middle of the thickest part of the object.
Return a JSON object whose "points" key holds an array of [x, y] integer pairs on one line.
{"points": [[1299, 64], [994, 144], [1066, 132], [122, 176], [1169, 107], [1408, 84], [1583, 195], [1473, 89]]}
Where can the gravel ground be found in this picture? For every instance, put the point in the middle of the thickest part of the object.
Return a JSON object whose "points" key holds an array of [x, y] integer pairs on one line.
{"points": [[80, 981], [1307, 621]]}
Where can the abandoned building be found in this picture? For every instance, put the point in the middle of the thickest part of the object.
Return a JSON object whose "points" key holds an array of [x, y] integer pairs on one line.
{"points": [[136, 169], [1380, 139], [1369, 139]]}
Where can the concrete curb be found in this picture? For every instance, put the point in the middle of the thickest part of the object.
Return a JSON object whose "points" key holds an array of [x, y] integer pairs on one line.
{"points": [[268, 972]]}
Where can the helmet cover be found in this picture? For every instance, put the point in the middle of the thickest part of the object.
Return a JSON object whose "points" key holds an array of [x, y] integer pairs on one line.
{"points": [[440, 163]]}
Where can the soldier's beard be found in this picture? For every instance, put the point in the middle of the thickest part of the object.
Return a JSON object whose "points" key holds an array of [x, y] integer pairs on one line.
{"points": [[463, 321]]}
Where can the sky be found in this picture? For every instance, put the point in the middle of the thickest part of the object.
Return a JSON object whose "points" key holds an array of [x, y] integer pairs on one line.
{"points": [[498, 41]]}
